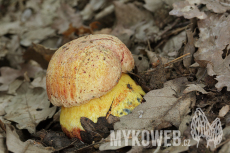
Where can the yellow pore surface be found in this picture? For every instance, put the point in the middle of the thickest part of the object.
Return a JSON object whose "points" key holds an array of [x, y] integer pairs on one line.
{"points": [[122, 99]]}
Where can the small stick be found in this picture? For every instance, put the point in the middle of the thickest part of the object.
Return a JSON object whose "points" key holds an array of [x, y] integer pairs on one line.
{"points": [[149, 45], [175, 60], [171, 62]]}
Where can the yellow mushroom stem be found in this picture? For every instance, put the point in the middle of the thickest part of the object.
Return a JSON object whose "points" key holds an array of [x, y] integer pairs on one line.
{"points": [[122, 99]]}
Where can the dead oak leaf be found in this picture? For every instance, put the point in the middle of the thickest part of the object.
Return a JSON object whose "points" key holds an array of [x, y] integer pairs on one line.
{"points": [[189, 48], [214, 37], [216, 6], [14, 143], [29, 107], [66, 15], [195, 87], [8, 75], [173, 45], [189, 8], [44, 12], [40, 80], [153, 5], [43, 50], [36, 36], [129, 14], [128, 18], [224, 76], [161, 105], [46, 53], [9, 27], [4, 100]]}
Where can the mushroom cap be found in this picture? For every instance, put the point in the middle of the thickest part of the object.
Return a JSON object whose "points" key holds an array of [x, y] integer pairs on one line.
{"points": [[86, 68]]}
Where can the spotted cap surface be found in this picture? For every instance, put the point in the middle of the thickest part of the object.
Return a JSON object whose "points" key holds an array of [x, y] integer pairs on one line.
{"points": [[86, 68]]}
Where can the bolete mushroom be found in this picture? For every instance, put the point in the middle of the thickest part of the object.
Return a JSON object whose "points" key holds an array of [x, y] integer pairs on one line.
{"points": [[87, 78]]}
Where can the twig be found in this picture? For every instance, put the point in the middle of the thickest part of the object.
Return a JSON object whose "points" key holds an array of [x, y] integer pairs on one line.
{"points": [[176, 60], [149, 45], [171, 62], [135, 75], [167, 35], [176, 31], [170, 26], [221, 144]]}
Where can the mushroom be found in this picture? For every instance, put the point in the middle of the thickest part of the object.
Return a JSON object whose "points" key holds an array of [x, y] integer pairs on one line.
{"points": [[87, 78]]}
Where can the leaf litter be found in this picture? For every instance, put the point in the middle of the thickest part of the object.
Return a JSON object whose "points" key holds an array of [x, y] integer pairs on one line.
{"points": [[158, 33], [29, 107]]}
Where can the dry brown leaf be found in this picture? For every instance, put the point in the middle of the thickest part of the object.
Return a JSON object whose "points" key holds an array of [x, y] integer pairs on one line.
{"points": [[195, 87], [223, 111], [3, 46], [128, 17], [129, 14], [8, 75], [36, 36], [171, 48], [146, 30], [189, 48], [93, 6], [9, 27], [187, 9], [3, 148], [161, 104], [105, 12], [14, 86], [223, 80], [152, 56], [43, 13], [43, 50], [66, 15], [220, 6], [31, 54], [46, 52], [14, 143], [214, 37], [156, 4], [225, 148], [185, 124], [153, 5], [4, 100], [40, 80], [29, 107], [15, 51]]}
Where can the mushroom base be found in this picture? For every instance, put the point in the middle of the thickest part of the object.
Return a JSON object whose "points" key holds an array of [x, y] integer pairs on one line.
{"points": [[120, 101]]}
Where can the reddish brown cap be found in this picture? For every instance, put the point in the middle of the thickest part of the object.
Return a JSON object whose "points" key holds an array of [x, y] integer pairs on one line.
{"points": [[86, 68]]}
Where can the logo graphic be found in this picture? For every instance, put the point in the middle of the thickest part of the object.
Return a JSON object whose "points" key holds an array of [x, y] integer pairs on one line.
{"points": [[200, 127]]}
